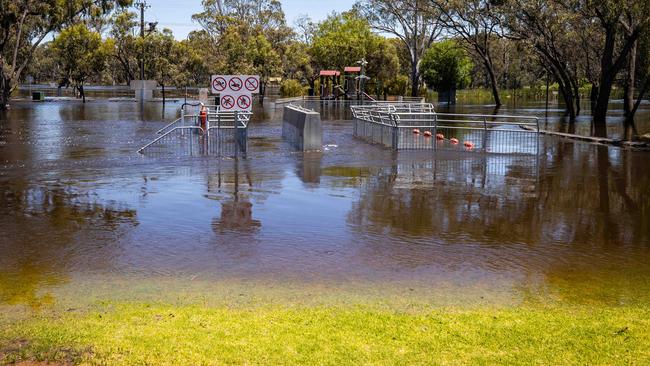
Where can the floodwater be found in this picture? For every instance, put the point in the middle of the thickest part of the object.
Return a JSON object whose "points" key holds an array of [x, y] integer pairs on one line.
{"points": [[81, 212]]}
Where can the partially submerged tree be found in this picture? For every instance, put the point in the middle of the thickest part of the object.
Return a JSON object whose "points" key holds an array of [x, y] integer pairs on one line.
{"points": [[24, 24], [479, 23], [446, 67], [622, 23], [80, 55], [414, 22], [552, 32]]}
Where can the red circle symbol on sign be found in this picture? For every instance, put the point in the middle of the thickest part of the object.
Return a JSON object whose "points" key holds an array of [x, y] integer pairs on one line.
{"points": [[244, 101], [235, 84], [252, 84], [227, 102], [219, 84]]}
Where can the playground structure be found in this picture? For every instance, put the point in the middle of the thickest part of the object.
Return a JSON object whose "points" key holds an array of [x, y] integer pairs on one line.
{"points": [[202, 130], [417, 126], [347, 86]]}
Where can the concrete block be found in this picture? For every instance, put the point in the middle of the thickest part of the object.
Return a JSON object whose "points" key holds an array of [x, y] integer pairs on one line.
{"points": [[302, 128]]}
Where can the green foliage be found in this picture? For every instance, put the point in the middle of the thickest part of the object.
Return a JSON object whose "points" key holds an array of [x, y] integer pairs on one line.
{"points": [[291, 88], [80, 54], [25, 24], [398, 85], [446, 66], [342, 40]]}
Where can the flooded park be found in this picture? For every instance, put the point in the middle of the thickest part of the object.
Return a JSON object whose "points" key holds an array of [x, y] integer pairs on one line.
{"points": [[85, 217]]}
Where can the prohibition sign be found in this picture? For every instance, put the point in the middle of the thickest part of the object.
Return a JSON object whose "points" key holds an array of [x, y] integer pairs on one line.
{"points": [[219, 84], [228, 102], [252, 84], [235, 84], [244, 101]]}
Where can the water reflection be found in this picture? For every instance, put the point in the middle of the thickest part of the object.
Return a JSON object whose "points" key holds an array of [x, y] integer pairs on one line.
{"points": [[236, 209], [577, 219], [75, 198], [308, 167], [50, 229]]}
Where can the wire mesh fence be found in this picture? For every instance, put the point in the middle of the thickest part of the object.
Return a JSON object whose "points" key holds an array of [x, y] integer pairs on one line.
{"points": [[416, 126]]}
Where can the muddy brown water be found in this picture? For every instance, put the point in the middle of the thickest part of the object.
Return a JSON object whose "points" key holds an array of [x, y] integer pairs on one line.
{"points": [[78, 202]]}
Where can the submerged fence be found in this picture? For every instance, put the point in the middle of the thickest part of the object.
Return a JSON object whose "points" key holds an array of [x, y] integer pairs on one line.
{"points": [[221, 133], [416, 126]]}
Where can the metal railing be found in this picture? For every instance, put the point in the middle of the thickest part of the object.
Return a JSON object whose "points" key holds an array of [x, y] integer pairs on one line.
{"points": [[280, 103], [227, 132], [417, 126], [224, 133], [175, 134]]}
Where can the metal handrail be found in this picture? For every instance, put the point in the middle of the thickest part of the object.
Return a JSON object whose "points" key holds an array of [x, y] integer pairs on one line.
{"points": [[300, 108], [169, 132]]}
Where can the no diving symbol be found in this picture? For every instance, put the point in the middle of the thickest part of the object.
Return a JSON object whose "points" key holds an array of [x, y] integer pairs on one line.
{"points": [[219, 84], [228, 102], [252, 84], [235, 84], [244, 101]]}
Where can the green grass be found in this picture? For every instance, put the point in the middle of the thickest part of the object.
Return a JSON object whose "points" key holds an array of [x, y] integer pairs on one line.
{"points": [[123, 333]]}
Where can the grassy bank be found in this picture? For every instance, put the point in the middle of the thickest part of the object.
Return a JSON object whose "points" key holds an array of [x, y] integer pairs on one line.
{"points": [[118, 333]]}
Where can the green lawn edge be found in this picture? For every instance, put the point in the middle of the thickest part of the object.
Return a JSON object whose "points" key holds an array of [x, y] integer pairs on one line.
{"points": [[159, 334]]}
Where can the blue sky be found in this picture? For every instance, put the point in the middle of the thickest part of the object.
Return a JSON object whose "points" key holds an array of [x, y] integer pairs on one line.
{"points": [[177, 14]]}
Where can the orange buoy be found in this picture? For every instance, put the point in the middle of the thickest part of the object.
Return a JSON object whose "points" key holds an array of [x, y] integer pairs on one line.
{"points": [[440, 136], [427, 134], [454, 141], [469, 144], [416, 131]]}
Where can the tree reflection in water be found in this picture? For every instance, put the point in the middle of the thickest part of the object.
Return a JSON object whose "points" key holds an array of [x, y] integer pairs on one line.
{"points": [[46, 230], [582, 213]]}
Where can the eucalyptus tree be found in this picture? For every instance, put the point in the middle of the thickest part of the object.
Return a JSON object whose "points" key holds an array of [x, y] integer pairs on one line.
{"points": [[24, 24], [415, 22], [622, 23], [446, 67], [552, 31], [125, 48], [478, 23], [344, 39], [80, 55], [245, 36]]}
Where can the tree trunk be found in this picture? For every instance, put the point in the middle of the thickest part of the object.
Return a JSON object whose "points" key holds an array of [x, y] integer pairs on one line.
{"points": [[5, 92], [415, 79], [262, 91], [493, 81], [163, 92], [567, 95], [593, 96], [83, 94], [628, 99]]}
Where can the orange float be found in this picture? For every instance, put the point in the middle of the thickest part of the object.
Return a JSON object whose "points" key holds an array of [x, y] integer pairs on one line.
{"points": [[469, 144], [427, 134], [454, 141], [440, 136], [416, 131]]}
